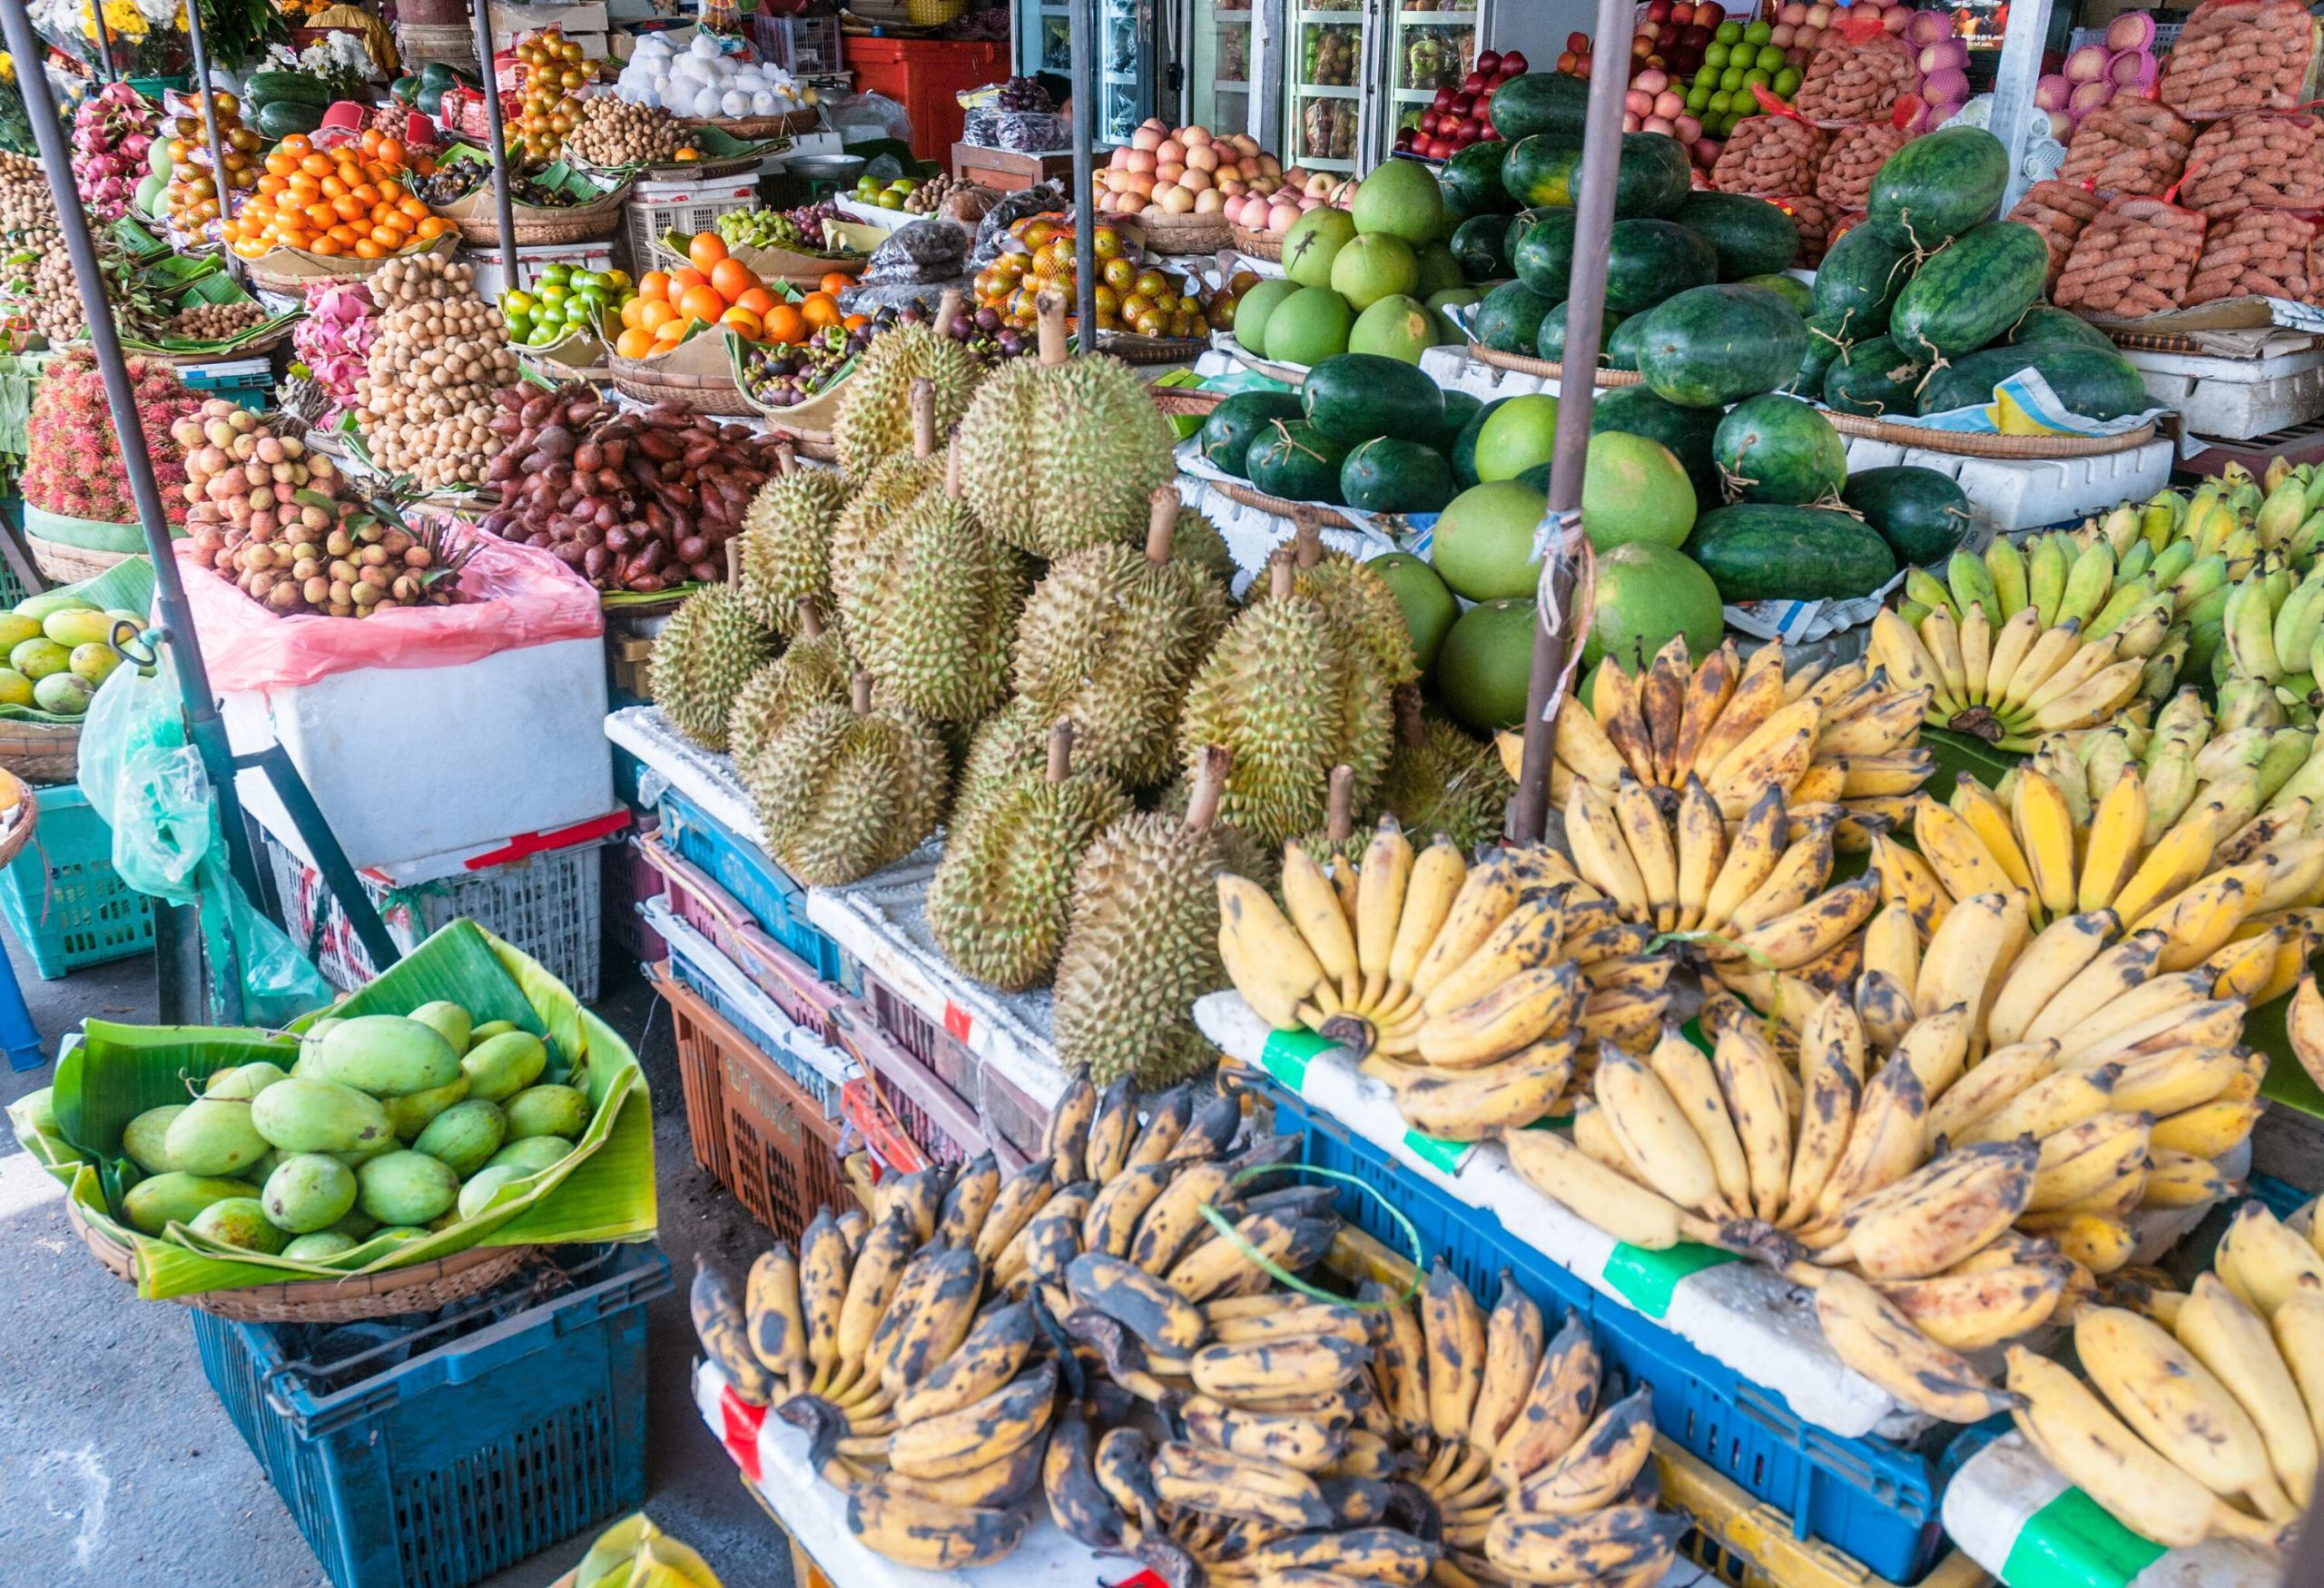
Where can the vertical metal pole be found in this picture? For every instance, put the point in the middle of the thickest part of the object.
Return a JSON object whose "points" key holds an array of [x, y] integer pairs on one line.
{"points": [[104, 41], [481, 10], [204, 729], [219, 175], [2014, 80], [1585, 320], [1084, 37]]}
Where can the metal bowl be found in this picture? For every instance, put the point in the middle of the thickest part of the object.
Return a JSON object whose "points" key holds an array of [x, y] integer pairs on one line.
{"points": [[827, 167]]}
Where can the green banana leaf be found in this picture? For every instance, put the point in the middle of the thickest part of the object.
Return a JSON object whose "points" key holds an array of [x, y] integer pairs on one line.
{"points": [[602, 1190]]}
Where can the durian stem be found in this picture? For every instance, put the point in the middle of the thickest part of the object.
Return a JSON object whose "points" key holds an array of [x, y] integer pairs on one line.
{"points": [[735, 560], [1161, 524], [923, 417], [1279, 576], [952, 471], [811, 621], [948, 310], [1310, 534], [1049, 312], [1339, 816], [1211, 787], [786, 456], [1061, 751], [1410, 728], [861, 695]]}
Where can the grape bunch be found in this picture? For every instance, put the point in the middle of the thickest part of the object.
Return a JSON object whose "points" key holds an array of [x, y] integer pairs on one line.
{"points": [[799, 230]]}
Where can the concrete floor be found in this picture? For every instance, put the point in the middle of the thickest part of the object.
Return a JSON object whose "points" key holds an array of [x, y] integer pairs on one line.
{"points": [[118, 1464]]}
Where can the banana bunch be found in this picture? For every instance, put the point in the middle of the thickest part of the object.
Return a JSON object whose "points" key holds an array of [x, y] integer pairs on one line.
{"points": [[634, 1554], [1470, 990], [1841, 736], [2203, 1410]]}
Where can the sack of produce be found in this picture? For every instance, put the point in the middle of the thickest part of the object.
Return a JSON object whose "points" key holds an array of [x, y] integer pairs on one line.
{"points": [[2131, 146], [1844, 180], [1770, 154], [2255, 159], [1860, 79], [2260, 251], [928, 251], [2242, 55], [2136, 258], [2058, 210]]}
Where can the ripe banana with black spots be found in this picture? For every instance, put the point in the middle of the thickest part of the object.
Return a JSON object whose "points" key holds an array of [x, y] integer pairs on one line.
{"points": [[1870, 1334]]}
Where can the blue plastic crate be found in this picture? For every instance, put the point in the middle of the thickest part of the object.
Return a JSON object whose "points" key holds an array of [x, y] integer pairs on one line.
{"points": [[776, 902], [456, 1460], [61, 896], [703, 980], [1871, 1498]]}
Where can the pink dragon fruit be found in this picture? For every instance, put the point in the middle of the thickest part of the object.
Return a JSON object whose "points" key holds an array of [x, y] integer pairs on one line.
{"points": [[334, 341], [111, 132], [72, 457]]}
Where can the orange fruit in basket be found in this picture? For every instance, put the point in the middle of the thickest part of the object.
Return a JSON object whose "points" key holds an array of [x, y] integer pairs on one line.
{"points": [[731, 277], [701, 304], [706, 249], [757, 300], [743, 323], [297, 145], [785, 324], [819, 309], [655, 314], [316, 166], [684, 279], [365, 248], [390, 152], [327, 246], [634, 343], [630, 311], [836, 281], [856, 322], [653, 286], [432, 228]]}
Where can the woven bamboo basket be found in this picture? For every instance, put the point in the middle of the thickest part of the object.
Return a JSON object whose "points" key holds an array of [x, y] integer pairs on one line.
{"points": [[1151, 349], [714, 394], [1185, 399], [1266, 245], [61, 564], [587, 223], [1185, 235], [259, 348], [300, 269], [40, 753], [1961, 444], [421, 1288], [1548, 370], [757, 129], [1282, 507]]}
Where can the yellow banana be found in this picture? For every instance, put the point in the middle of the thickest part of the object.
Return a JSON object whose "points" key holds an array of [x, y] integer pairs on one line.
{"points": [[1269, 963], [1870, 1334], [2233, 1341], [1321, 920], [2057, 955], [1381, 879], [1437, 874], [1975, 1310]]}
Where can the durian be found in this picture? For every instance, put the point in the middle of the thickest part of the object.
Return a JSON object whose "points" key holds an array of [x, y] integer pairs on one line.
{"points": [[1285, 693], [1059, 455], [844, 790], [931, 612], [1142, 942], [813, 672], [1359, 600], [996, 905], [1108, 641], [710, 647], [1196, 540], [889, 487], [1011, 740], [1440, 780], [787, 545], [874, 418]]}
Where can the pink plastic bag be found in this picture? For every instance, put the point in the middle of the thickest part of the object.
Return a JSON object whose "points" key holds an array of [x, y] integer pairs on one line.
{"points": [[515, 595]]}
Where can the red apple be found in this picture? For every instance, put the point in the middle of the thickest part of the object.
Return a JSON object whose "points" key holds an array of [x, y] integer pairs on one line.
{"points": [[1489, 135], [1488, 62], [1462, 104], [1683, 12], [1657, 11], [1474, 82], [1696, 37], [1502, 76], [1470, 131], [1442, 149], [1579, 42], [1641, 48], [1513, 60], [1709, 13], [1443, 100]]}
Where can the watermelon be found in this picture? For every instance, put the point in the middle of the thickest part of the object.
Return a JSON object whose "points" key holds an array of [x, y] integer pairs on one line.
{"points": [[1971, 291], [1757, 551], [1477, 246], [1789, 288], [1753, 237], [1353, 397], [1711, 346], [1509, 319], [1937, 187], [1920, 513], [1777, 448], [1860, 277], [1463, 450], [1540, 172], [1387, 475], [1621, 343], [1651, 179], [1543, 258], [1550, 337], [1539, 102], [1460, 408], [1298, 462], [1227, 433], [2042, 323], [1514, 232], [2099, 385], [1648, 260], [1876, 379], [1825, 345], [1471, 185]]}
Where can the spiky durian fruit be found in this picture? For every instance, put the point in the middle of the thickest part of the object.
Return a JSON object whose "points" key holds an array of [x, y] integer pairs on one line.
{"points": [[1141, 943], [710, 647], [1013, 739], [1196, 540], [874, 418], [885, 492], [1062, 456], [787, 545], [844, 790], [996, 905], [1359, 600], [813, 672], [1286, 694], [1108, 641], [1440, 780], [931, 612]]}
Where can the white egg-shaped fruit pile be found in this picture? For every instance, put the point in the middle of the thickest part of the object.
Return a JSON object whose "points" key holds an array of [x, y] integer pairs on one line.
{"points": [[698, 79]]}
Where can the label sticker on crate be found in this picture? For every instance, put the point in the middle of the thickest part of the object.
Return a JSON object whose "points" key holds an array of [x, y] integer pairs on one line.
{"points": [[958, 1022]]}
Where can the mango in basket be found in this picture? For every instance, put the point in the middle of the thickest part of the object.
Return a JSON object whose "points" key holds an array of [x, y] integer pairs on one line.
{"points": [[240, 1221], [308, 1192], [385, 1055], [406, 1189], [177, 1198]]}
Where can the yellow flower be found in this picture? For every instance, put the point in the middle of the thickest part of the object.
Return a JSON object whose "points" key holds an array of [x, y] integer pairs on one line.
{"points": [[7, 67]]}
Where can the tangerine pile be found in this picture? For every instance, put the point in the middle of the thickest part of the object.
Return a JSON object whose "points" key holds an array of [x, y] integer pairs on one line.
{"points": [[714, 288], [350, 201]]}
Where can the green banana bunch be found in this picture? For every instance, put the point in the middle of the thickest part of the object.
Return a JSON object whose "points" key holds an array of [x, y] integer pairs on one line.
{"points": [[2272, 630], [2064, 579]]}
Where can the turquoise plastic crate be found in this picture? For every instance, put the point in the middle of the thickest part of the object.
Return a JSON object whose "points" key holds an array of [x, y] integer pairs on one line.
{"points": [[61, 895], [246, 382], [1871, 1498], [464, 1451], [762, 887]]}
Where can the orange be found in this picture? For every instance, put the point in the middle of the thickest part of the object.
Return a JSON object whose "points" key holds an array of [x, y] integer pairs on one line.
{"points": [[836, 283], [683, 277], [653, 286], [784, 324], [392, 190], [414, 208], [731, 277], [706, 249], [320, 216], [856, 322], [347, 207], [701, 304], [431, 229], [390, 152], [369, 193], [326, 246], [279, 163], [745, 323], [296, 145], [315, 164], [367, 249], [654, 314], [758, 300], [333, 188], [343, 234], [371, 136], [634, 343], [819, 311]]}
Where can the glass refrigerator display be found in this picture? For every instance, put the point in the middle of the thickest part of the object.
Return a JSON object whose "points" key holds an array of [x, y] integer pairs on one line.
{"points": [[1225, 41], [1044, 38], [1126, 53], [1435, 44], [1327, 64]]}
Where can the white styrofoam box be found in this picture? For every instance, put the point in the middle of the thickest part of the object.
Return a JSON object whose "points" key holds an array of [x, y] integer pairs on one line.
{"points": [[2235, 400], [2026, 493], [533, 260], [589, 16], [703, 776], [407, 762]]}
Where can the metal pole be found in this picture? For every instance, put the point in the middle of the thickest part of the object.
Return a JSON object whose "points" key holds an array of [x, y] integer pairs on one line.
{"points": [[219, 175], [1084, 37], [104, 72], [1585, 320], [481, 11], [2014, 79], [204, 729]]}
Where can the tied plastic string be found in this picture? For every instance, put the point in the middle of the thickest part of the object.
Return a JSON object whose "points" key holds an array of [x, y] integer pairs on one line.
{"points": [[1770, 1022], [1572, 543], [1282, 1275]]}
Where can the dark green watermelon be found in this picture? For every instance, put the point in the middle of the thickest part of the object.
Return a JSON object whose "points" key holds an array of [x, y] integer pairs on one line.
{"points": [[1760, 551], [1621, 345], [1878, 379], [2097, 383], [1753, 237], [1471, 185], [1298, 462], [1509, 319], [1650, 260], [1711, 346], [1479, 245], [1227, 433], [1460, 408], [1550, 337], [1920, 513], [1826, 346], [1543, 259], [1539, 102], [1541, 172], [2042, 323], [1937, 187], [1973, 290], [1781, 450], [1859, 278], [1388, 474]]}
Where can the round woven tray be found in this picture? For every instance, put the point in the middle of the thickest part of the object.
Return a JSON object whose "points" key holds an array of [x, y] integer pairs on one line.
{"points": [[1963, 444], [1151, 349], [1266, 245], [1547, 369], [716, 394], [755, 129], [421, 1288], [1186, 400], [264, 345], [40, 753], [1184, 234], [1282, 507], [61, 564], [339, 268], [583, 223]]}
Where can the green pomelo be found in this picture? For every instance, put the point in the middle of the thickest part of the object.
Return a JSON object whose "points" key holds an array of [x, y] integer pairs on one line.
{"points": [[1645, 594], [1312, 244], [449, 1019], [213, 1137], [500, 1066], [1634, 489], [1429, 607], [406, 1187], [464, 1136], [386, 1055], [1369, 267], [322, 1244], [308, 1192], [1399, 326], [1401, 197], [478, 1190], [408, 1116], [1516, 437], [240, 1221], [1487, 660], [1253, 310], [319, 1115], [547, 1110], [176, 1197], [1310, 326], [1483, 547], [145, 1137]]}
